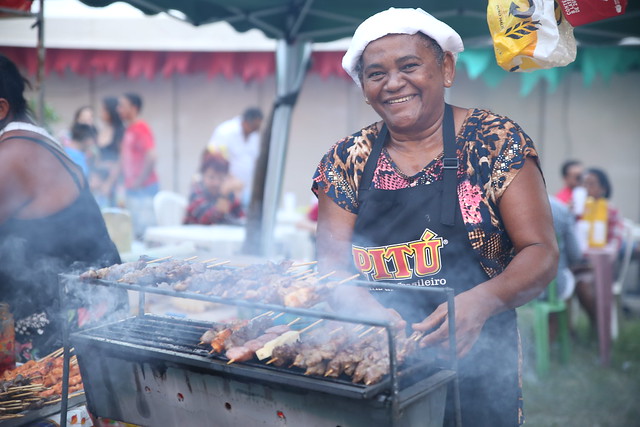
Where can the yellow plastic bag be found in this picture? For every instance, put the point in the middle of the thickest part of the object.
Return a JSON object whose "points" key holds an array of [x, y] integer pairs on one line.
{"points": [[530, 34]]}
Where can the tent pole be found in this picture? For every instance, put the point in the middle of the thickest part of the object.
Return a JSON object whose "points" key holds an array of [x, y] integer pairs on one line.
{"points": [[292, 63], [40, 71]]}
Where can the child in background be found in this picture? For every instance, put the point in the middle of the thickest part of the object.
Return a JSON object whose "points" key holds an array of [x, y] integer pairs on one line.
{"points": [[79, 147], [215, 198]]}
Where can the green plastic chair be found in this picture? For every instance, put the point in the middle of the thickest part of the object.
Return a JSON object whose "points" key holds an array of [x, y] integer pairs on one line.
{"points": [[542, 310]]}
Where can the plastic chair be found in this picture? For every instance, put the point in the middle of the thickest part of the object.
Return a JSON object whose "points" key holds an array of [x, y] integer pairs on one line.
{"points": [[120, 227], [542, 310], [630, 240], [169, 208]]}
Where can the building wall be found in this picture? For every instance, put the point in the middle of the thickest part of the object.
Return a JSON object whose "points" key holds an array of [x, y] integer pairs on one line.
{"points": [[598, 125]]}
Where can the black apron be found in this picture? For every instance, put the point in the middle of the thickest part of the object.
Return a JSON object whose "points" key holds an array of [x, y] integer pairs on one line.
{"points": [[416, 236]]}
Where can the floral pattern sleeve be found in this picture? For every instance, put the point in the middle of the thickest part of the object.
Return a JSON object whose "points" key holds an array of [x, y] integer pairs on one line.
{"points": [[338, 174], [495, 149], [516, 147]]}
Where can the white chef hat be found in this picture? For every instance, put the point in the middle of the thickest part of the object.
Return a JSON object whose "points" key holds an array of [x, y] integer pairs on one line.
{"points": [[399, 21]]}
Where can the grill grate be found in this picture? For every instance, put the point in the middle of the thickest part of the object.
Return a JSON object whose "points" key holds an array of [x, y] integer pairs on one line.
{"points": [[176, 340]]}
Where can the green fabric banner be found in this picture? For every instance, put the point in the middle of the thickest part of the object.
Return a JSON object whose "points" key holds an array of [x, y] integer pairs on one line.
{"points": [[592, 62]]}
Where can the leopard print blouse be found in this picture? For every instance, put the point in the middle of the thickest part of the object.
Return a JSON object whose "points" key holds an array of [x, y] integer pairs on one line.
{"points": [[491, 150]]}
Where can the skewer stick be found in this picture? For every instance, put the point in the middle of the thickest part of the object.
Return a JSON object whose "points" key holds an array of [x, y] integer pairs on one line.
{"points": [[191, 258], [418, 337], [278, 315], [329, 372], [55, 353], [336, 330], [297, 319], [293, 276], [267, 313], [208, 260], [23, 395], [275, 359], [218, 264], [381, 330], [348, 279], [358, 327], [307, 276], [78, 393], [366, 332], [160, 259], [231, 361], [327, 275], [310, 326], [303, 264]]}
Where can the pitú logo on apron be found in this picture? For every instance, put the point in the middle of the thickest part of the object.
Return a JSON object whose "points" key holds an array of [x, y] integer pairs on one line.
{"points": [[393, 261]]}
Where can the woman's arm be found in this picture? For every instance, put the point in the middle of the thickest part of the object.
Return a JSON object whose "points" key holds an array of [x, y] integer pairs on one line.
{"points": [[333, 245], [335, 231], [524, 208]]}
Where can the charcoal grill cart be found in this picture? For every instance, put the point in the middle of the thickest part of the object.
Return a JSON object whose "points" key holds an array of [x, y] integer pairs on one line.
{"points": [[149, 370]]}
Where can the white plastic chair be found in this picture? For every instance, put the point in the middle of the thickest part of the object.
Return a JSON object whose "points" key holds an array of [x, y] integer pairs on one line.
{"points": [[629, 239], [169, 208], [120, 227]]}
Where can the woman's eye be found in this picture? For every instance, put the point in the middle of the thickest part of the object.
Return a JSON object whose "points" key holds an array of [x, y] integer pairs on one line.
{"points": [[375, 75], [409, 67]]}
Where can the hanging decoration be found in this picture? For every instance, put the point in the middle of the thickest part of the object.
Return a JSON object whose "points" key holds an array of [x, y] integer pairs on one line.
{"points": [[592, 63]]}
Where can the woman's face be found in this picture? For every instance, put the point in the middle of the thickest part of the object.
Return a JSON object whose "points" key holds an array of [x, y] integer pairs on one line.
{"points": [[85, 116], [104, 114], [591, 183], [403, 81], [212, 180]]}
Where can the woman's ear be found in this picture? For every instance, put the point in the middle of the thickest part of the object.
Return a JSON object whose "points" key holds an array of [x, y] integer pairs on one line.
{"points": [[448, 69], [5, 109]]}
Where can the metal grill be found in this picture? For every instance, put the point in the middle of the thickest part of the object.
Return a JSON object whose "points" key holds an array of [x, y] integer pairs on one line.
{"points": [[175, 340], [149, 370]]}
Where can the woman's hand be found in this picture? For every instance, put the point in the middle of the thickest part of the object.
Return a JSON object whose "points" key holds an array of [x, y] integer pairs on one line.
{"points": [[473, 308], [223, 205], [359, 302]]}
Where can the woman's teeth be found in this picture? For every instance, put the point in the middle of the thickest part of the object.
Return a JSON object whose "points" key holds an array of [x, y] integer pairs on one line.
{"points": [[399, 100]]}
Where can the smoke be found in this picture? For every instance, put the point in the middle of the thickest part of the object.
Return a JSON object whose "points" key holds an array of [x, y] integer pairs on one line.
{"points": [[34, 252]]}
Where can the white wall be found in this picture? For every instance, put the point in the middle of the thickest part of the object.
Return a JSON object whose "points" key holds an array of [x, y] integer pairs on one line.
{"points": [[599, 125]]}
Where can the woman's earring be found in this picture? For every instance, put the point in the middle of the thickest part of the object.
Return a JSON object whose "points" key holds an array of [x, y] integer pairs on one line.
{"points": [[367, 101]]}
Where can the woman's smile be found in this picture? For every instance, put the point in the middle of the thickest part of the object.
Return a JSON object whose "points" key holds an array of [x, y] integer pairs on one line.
{"points": [[400, 100]]}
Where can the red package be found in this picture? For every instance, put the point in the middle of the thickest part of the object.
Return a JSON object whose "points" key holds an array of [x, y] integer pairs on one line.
{"points": [[24, 5], [580, 12]]}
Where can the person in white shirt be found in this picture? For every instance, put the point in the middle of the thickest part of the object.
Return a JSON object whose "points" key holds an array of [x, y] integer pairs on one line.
{"points": [[238, 139]]}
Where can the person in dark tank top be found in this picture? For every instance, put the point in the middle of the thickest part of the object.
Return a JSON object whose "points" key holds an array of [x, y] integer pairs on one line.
{"points": [[49, 223]]}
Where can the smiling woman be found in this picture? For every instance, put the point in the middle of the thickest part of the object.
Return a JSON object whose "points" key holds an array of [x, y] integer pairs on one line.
{"points": [[437, 195]]}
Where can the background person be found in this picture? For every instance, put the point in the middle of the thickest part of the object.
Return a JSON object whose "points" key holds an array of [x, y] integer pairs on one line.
{"points": [[483, 228], [215, 198], [598, 186], [83, 115], [49, 221], [572, 171], [79, 147], [239, 140], [138, 161], [109, 141]]}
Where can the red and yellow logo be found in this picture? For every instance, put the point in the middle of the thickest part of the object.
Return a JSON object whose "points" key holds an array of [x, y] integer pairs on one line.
{"points": [[393, 261]]}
